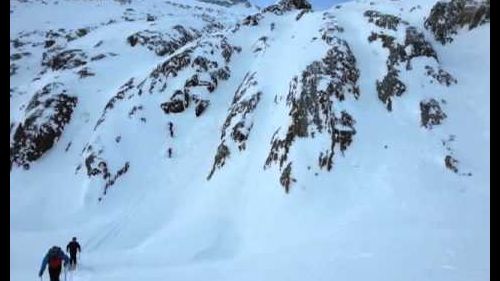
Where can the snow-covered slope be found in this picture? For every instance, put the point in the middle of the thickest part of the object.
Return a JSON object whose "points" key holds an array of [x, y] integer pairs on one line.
{"points": [[228, 3], [181, 140]]}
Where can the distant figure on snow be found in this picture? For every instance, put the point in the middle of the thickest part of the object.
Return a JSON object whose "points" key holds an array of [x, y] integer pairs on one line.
{"points": [[54, 258], [72, 248], [171, 129]]}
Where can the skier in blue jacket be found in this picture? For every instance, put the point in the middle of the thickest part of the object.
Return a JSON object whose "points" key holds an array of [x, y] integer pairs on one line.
{"points": [[54, 259]]}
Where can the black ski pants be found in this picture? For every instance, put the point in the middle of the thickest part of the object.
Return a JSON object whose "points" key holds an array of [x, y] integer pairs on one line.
{"points": [[72, 259], [54, 273]]}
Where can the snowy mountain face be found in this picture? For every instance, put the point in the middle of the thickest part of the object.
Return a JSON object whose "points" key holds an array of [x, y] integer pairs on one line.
{"points": [[228, 3], [209, 140]]}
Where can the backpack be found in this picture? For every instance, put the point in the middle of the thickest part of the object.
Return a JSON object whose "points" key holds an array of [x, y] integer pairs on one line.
{"points": [[54, 258]]}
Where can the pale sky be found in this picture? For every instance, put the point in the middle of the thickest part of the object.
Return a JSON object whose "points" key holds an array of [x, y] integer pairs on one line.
{"points": [[317, 4]]}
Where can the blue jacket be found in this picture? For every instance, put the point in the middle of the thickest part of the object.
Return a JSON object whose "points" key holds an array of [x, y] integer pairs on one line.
{"points": [[60, 254]]}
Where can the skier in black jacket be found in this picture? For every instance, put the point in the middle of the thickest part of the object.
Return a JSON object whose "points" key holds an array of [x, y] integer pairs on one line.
{"points": [[72, 248]]}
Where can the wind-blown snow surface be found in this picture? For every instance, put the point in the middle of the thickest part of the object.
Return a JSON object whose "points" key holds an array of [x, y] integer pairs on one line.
{"points": [[389, 209]]}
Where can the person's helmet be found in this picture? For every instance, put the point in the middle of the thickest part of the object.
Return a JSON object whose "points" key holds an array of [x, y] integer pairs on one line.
{"points": [[74, 238]]}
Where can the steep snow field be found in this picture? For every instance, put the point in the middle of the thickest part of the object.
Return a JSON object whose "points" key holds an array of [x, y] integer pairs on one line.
{"points": [[389, 209]]}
